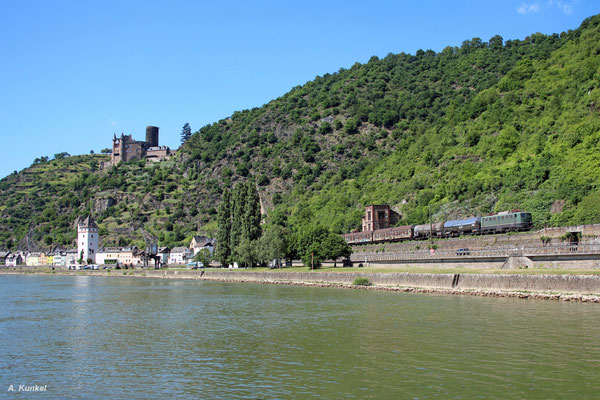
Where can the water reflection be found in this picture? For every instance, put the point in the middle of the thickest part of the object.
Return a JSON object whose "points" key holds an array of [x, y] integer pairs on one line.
{"points": [[136, 338]]}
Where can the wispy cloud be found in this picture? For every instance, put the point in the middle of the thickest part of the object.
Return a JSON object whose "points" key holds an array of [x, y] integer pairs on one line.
{"points": [[566, 7], [531, 8], [528, 8]]}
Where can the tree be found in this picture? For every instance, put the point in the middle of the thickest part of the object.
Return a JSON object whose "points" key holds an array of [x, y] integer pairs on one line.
{"points": [[223, 247], [335, 247], [317, 244], [106, 151], [238, 207], [186, 133], [252, 216], [246, 253], [273, 244], [204, 256]]}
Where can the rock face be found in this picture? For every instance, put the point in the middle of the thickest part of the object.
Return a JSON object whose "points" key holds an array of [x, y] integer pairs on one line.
{"points": [[101, 205]]}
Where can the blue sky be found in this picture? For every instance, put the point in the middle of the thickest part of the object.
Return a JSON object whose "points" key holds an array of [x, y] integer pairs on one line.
{"points": [[74, 72]]}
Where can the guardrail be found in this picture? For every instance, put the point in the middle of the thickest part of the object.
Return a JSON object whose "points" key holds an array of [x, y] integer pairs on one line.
{"points": [[555, 250]]}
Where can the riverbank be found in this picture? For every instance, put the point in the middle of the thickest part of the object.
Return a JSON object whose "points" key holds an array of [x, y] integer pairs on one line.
{"points": [[581, 288]]}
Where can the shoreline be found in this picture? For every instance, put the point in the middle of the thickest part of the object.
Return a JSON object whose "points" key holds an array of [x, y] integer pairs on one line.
{"points": [[577, 288]]}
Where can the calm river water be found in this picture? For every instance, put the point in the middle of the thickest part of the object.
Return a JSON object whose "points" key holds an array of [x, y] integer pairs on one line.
{"points": [[128, 338]]}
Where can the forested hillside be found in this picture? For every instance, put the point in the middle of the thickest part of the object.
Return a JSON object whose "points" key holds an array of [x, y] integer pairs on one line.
{"points": [[489, 126]]}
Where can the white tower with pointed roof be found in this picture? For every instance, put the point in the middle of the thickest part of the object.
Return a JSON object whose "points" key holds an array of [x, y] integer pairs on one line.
{"points": [[87, 240]]}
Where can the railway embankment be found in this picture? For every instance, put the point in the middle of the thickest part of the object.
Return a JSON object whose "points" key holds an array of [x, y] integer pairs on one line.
{"points": [[585, 288]]}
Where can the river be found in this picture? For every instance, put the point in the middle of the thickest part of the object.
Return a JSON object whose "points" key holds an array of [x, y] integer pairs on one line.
{"points": [[131, 338]]}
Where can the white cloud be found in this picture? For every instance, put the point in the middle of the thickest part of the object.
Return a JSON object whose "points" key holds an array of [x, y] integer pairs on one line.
{"points": [[532, 8], [528, 8], [566, 7]]}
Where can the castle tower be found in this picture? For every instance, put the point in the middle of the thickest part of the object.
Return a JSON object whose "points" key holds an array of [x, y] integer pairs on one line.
{"points": [[152, 136], [87, 240]]}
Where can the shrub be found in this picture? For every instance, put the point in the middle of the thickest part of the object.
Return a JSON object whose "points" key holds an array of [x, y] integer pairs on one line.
{"points": [[358, 281]]}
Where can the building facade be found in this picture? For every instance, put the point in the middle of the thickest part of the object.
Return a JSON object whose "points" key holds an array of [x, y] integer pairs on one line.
{"points": [[14, 259], [125, 148], [87, 240], [202, 242], [180, 255], [379, 217]]}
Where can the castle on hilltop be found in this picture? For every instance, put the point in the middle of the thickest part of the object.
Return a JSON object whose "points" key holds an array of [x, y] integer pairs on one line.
{"points": [[126, 149]]}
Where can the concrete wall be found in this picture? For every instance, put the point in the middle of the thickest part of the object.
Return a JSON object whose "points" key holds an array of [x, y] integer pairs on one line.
{"points": [[579, 284], [564, 284]]}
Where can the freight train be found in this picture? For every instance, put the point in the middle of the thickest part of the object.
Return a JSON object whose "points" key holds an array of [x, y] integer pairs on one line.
{"points": [[499, 223]]}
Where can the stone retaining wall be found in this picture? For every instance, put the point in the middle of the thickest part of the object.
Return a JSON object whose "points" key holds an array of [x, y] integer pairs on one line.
{"points": [[576, 284], [564, 284]]}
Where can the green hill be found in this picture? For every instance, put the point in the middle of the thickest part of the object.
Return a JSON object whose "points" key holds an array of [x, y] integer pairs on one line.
{"points": [[484, 127]]}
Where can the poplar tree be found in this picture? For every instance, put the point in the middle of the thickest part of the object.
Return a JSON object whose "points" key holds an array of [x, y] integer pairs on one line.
{"points": [[238, 222], [223, 247], [252, 215]]}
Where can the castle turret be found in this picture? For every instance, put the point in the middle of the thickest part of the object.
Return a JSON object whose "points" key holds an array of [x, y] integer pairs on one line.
{"points": [[87, 240], [152, 136]]}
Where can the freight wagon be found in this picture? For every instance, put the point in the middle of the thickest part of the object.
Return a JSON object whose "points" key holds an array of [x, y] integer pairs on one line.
{"points": [[422, 231], [499, 223], [359, 237], [393, 234], [463, 226]]}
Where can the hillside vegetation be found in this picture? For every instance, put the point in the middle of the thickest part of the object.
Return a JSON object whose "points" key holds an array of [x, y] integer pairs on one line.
{"points": [[485, 127]]}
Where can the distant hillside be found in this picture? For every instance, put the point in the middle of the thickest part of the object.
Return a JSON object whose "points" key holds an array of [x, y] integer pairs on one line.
{"points": [[485, 127]]}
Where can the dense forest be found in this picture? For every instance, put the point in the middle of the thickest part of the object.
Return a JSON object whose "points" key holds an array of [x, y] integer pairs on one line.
{"points": [[485, 127]]}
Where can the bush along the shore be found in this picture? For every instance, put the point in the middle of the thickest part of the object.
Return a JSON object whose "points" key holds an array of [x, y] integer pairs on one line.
{"points": [[358, 281]]}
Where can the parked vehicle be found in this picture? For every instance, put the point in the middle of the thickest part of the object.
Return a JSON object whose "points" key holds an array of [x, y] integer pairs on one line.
{"points": [[195, 264], [463, 252]]}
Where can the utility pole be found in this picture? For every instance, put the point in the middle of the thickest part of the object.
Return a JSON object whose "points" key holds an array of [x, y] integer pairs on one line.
{"points": [[430, 229]]}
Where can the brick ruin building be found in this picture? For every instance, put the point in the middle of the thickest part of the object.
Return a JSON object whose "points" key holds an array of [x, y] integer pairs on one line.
{"points": [[379, 217], [126, 149]]}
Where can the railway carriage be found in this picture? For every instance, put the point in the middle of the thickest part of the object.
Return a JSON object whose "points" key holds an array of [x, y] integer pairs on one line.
{"points": [[506, 222], [393, 234], [359, 237], [462, 226], [498, 223], [422, 231]]}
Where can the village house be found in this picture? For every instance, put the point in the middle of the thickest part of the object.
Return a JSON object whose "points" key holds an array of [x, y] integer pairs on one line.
{"points": [[108, 255], [163, 255], [14, 259], [180, 255], [202, 242], [59, 258], [36, 259], [3, 256], [126, 256], [71, 257], [138, 256]]}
